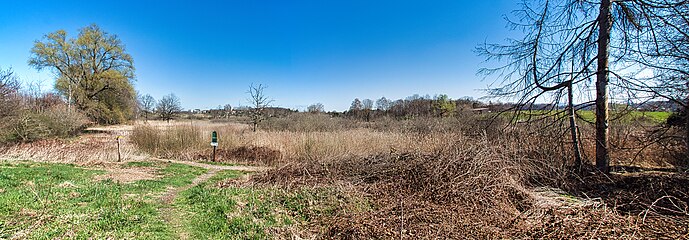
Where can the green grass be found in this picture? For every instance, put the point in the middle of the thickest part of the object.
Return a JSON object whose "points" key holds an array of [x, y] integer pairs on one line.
{"points": [[653, 117], [590, 115], [253, 212], [140, 164], [174, 175], [47, 201]]}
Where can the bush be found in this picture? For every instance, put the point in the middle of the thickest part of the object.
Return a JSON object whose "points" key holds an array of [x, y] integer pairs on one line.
{"points": [[25, 127], [64, 123], [28, 126], [170, 143], [677, 119], [308, 122]]}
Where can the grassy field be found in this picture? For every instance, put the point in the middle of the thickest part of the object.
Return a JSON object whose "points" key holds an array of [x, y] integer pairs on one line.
{"points": [[218, 209], [655, 117], [590, 115], [47, 201]]}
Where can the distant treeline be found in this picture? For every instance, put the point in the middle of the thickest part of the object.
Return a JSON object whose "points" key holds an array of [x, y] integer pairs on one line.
{"points": [[419, 106], [416, 106]]}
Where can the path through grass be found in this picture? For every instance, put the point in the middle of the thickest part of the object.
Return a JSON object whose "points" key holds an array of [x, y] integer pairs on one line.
{"points": [[47, 201]]}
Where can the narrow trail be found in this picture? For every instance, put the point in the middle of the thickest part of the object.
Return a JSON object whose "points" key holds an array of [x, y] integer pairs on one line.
{"points": [[105, 135], [171, 193], [215, 167], [175, 217]]}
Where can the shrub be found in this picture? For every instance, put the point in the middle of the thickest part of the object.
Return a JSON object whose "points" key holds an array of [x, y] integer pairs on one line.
{"points": [[167, 142], [62, 122], [28, 126], [308, 122], [25, 127], [677, 119]]}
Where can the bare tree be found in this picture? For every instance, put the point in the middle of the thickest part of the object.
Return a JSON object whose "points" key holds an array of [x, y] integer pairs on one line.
{"points": [[227, 110], [383, 104], [315, 108], [259, 102], [566, 44], [356, 105], [355, 108], [664, 50], [147, 105], [368, 107], [9, 88], [367, 104], [168, 107]]}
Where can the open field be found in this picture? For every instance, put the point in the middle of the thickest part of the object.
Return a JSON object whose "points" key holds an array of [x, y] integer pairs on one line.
{"points": [[590, 115], [418, 178]]}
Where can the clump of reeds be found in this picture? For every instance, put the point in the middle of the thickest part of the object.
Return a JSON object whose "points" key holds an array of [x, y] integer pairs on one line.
{"points": [[169, 142]]}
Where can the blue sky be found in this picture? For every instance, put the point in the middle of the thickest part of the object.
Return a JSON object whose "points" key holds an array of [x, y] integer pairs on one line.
{"points": [[208, 52]]}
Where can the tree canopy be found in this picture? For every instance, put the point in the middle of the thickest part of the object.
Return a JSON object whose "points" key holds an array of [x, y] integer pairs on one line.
{"points": [[168, 107], [93, 70]]}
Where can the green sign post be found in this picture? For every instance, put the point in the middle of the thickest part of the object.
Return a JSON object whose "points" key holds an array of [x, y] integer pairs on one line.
{"points": [[214, 142]]}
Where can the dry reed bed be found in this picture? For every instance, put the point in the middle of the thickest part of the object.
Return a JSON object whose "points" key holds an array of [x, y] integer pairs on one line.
{"points": [[188, 142]]}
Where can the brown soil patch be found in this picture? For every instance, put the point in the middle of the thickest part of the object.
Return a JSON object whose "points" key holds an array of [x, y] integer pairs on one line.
{"points": [[244, 154], [215, 167]]}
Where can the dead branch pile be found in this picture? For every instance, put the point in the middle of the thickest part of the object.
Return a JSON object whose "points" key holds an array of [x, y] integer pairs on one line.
{"points": [[471, 188]]}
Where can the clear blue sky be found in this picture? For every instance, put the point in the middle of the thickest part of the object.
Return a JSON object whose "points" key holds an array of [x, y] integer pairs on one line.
{"points": [[208, 52]]}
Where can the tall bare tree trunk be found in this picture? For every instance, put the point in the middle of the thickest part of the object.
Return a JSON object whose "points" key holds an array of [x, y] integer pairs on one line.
{"points": [[573, 128], [69, 98], [686, 136], [686, 130], [604, 21]]}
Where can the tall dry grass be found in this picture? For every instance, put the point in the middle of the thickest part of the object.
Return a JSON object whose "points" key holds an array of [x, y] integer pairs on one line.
{"points": [[319, 136], [93, 149], [424, 178], [186, 141]]}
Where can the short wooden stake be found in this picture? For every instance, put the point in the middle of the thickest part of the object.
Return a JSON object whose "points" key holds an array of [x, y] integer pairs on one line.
{"points": [[119, 154], [214, 153]]}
